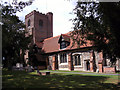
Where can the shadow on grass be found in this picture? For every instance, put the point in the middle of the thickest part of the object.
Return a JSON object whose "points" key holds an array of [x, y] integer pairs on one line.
{"points": [[22, 79]]}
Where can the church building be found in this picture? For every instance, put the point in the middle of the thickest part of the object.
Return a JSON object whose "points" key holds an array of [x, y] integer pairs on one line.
{"points": [[59, 53]]}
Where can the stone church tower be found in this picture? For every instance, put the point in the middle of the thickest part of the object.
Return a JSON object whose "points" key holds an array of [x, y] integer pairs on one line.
{"points": [[39, 25]]}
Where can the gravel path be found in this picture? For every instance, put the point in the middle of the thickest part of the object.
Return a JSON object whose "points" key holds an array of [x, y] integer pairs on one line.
{"points": [[85, 73]]}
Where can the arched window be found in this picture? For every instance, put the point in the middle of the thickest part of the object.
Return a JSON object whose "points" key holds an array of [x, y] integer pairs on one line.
{"points": [[77, 60], [40, 23], [28, 22], [63, 58]]}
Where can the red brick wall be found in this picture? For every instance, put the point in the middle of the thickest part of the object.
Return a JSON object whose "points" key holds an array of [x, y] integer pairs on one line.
{"points": [[69, 62], [109, 69], [50, 24], [53, 63], [100, 63], [100, 67], [44, 32]]}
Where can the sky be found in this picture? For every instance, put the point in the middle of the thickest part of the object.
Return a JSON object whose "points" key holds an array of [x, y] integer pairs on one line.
{"points": [[61, 10]]}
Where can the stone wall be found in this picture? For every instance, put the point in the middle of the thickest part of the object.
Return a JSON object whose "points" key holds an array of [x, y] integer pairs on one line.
{"points": [[50, 63], [84, 56], [97, 58]]}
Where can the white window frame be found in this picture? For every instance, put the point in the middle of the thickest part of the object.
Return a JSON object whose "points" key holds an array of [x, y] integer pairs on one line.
{"points": [[80, 58], [65, 62]]}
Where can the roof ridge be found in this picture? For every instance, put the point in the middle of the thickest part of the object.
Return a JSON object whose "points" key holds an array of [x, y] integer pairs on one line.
{"points": [[51, 37], [57, 36]]}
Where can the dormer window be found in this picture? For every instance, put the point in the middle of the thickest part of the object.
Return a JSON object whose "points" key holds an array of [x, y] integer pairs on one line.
{"points": [[63, 45], [29, 22], [64, 41]]}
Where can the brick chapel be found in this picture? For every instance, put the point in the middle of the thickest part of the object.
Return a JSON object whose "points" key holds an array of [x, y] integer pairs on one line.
{"points": [[58, 53]]}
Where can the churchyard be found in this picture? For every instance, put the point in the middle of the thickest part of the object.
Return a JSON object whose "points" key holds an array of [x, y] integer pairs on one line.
{"points": [[25, 79]]}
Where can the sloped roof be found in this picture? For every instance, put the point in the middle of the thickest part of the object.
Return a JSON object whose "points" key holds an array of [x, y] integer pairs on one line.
{"points": [[64, 37], [51, 45]]}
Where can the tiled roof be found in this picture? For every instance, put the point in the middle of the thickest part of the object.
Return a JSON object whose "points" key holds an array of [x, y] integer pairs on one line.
{"points": [[64, 37], [51, 45]]}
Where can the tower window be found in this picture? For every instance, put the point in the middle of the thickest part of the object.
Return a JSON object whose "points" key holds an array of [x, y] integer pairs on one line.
{"points": [[28, 22], [40, 23]]}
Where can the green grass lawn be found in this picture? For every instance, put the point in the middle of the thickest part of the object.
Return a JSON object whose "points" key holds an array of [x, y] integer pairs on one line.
{"points": [[22, 79]]}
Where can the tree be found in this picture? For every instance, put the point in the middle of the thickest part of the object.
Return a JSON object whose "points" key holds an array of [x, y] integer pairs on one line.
{"points": [[32, 55], [99, 23], [13, 33]]}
